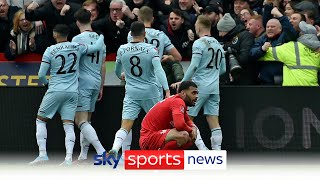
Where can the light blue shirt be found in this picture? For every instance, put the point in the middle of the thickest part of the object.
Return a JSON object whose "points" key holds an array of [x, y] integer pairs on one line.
{"points": [[157, 38], [141, 64], [160, 40], [90, 63], [207, 63], [63, 60]]}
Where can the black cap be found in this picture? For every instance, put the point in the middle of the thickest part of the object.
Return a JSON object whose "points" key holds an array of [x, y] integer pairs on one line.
{"points": [[213, 8]]}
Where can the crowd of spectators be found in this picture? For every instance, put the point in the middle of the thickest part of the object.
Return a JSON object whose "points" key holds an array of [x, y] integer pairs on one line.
{"points": [[250, 28]]}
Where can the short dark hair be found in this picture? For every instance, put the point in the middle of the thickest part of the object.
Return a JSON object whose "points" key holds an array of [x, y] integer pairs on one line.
{"points": [[310, 14], [185, 85], [137, 28], [83, 16], [62, 29], [178, 12]]}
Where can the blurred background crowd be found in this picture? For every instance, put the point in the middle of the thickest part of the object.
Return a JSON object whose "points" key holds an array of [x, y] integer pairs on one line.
{"points": [[274, 42]]}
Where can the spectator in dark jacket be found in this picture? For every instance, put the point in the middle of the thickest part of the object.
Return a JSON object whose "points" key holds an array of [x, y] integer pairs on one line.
{"points": [[51, 13], [278, 31], [238, 6], [174, 27], [6, 16], [135, 5], [115, 26], [94, 8], [214, 13], [255, 26], [295, 19], [240, 41]]}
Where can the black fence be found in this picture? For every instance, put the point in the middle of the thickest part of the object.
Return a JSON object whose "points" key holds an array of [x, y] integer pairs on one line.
{"points": [[253, 119]]}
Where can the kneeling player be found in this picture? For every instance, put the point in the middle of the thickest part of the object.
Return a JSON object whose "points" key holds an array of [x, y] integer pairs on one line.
{"points": [[167, 125]]}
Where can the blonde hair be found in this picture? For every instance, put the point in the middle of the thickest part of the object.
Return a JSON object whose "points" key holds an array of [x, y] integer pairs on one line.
{"points": [[204, 21], [16, 19], [257, 17]]}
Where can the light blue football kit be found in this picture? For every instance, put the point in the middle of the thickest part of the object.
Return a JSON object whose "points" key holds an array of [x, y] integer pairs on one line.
{"points": [[161, 41], [89, 72], [63, 61], [207, 63], [141, 64]]}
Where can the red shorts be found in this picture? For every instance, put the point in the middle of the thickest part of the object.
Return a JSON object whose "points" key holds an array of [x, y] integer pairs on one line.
{"points": [[152, 140]]}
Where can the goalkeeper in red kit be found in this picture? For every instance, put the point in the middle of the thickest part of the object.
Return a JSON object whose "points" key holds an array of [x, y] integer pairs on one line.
{"points": [[167, 125]]}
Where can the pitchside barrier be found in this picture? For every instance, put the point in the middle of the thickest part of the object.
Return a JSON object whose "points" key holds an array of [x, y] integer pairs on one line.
{"points": [[253, 119]]}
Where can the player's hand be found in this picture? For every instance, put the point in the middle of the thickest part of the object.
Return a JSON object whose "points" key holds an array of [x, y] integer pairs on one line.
{"points": [[167, 93], [64, 10], [193, 134], [123, 77], [175, 85], [100, 94]]}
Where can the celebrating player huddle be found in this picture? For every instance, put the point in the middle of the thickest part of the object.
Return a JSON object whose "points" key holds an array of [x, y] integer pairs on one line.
{"points": [[77, 76]]}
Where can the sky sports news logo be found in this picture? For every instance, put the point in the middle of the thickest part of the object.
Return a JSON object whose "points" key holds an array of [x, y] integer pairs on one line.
{"points": [[168, 160]]}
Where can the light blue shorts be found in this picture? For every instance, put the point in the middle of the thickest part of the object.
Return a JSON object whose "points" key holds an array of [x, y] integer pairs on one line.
{"points": [[63, 102], [132, 108], [87, 100], [210, 104]]}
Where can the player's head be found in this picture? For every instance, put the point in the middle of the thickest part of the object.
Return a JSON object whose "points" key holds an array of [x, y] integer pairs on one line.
{"points": [[188, 91], [203, 23], [60, 31], [82, 17], [137, 29], [145, 14]]}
